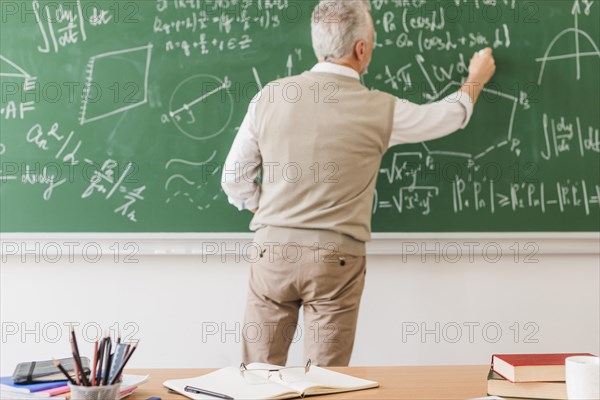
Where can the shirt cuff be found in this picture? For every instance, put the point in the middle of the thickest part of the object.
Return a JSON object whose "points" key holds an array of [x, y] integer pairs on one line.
{"points": [[246, 204], [464, 99], [252, 203]]}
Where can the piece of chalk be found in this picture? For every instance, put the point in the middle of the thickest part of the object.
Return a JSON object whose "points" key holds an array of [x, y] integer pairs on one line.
{"points": [[482, 52]]}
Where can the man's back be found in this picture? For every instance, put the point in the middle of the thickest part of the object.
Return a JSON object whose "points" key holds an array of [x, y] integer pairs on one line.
{"points": [[321, 137]]}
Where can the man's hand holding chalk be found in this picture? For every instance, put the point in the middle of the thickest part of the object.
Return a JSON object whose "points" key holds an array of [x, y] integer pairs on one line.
{"points": [[482, 67], [481, 70]]}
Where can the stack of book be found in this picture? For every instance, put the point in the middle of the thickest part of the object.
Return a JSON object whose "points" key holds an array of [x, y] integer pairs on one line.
{"points": [[58, 390], [531, 376]]}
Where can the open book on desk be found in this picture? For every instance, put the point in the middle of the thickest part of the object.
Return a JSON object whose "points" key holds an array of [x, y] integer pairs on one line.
{"points": [[229, 381]]}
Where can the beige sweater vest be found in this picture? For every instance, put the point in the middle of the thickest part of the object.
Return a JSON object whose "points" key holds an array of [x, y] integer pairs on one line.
{"points": [[321, 139]]}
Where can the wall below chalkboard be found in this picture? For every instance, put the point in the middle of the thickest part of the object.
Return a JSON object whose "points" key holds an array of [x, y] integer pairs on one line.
{"points": [[443, 247], [117, 116], [443, 309]]}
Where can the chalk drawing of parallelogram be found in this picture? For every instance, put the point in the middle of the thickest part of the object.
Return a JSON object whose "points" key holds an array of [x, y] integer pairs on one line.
{"points": [[116, 81]]}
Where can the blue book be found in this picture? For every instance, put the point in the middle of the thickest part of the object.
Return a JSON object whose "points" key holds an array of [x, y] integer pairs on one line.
{"points": [[8, 383]]}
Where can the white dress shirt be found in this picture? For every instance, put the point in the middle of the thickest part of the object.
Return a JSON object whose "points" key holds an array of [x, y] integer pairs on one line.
{"points": [[412, 123]]}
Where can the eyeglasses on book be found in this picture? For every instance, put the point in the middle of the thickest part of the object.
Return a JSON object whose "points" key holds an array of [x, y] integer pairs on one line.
{"points": [[286, 374]]}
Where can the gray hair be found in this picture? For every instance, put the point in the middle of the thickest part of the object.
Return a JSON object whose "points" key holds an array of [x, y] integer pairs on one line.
{"points": [[338, 24]]}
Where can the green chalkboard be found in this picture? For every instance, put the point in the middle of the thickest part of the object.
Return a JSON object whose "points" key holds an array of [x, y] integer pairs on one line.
{"points": [[117, 115]]}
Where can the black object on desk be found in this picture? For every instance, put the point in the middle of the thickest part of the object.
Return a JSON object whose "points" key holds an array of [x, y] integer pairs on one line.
{"points": [[195, 390]]}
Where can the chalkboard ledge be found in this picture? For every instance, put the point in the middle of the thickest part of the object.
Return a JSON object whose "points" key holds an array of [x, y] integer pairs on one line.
{"points": [[451, 246]]}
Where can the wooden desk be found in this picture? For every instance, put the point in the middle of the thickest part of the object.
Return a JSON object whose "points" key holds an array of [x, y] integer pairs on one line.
{"points": [[427, 383]]}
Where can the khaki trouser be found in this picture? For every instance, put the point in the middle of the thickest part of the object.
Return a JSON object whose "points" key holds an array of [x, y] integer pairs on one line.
{"points": [[328, 286]]}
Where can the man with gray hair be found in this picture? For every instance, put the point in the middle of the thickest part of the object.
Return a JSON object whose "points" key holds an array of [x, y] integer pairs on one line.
{"points": [[318, 139]]}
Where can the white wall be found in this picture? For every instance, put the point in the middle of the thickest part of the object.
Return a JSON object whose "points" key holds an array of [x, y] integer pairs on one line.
{"points": [[168, 298]]}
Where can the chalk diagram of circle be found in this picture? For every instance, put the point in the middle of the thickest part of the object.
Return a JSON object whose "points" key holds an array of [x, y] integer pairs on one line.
{"points": [[201, 107]]}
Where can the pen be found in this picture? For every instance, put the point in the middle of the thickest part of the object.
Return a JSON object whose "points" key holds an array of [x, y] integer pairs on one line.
{"points": [[107, 358], [117, 360], [122, 366], [100, 361], [191, 389]]}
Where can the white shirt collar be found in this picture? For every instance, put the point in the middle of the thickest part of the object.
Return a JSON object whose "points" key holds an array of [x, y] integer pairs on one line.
{"points": [[336, 69]]}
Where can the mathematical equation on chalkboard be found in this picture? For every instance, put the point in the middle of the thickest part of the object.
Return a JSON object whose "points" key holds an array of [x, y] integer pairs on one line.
{"points": [[409, 169], [199, 102]]}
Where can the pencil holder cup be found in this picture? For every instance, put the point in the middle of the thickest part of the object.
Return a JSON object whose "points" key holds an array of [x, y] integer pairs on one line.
{"points": [[110, 392]]}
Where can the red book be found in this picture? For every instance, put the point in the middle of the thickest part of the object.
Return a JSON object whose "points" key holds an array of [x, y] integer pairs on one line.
{"points": [[532, 367]]}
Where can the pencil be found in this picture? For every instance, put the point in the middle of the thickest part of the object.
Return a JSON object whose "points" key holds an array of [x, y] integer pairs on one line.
{"points": [[95, 362], [76, 371], [74, 348], [81, 370], [77, 359], [64, 371], [73, 341]]}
